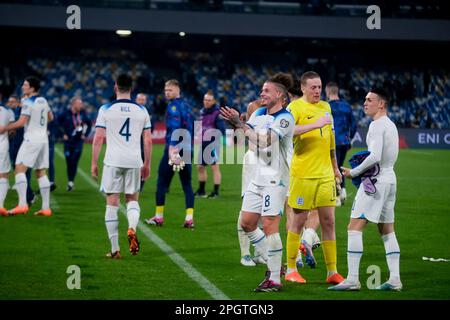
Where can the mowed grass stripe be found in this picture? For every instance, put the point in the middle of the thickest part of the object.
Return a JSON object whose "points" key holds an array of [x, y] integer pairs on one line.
{"points": [[184, 265]]}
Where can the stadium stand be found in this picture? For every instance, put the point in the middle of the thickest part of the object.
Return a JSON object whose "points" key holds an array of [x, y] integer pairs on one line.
{"points": [[420, 99]]}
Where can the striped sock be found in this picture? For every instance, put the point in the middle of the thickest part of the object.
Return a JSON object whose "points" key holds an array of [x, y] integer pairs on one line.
{"points": [[259, 241], [159, 212], [189, 214]]}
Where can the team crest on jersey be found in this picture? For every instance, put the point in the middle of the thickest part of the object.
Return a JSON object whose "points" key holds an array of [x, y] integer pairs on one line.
{"points": [[174, 108], [300, 201], [284, 123]]}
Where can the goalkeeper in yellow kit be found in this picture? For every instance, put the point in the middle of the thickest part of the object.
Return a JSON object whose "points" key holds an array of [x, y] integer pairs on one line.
{"points": [[313, 177]]}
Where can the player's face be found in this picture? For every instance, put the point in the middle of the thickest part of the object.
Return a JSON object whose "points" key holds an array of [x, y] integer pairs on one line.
{"points": [[26, 89], [171, 92], [372, 104], [12, 103], [141, 99], [269, 94], [312, 90], [208, 101]]}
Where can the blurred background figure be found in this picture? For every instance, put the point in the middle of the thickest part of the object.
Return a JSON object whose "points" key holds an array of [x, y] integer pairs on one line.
{"points": [[76, 127]]}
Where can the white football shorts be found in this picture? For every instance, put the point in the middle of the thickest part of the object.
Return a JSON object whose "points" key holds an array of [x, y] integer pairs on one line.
{"points": [[378, 207], [33, 154], [120, 180], [264, 200], [5, 163]]}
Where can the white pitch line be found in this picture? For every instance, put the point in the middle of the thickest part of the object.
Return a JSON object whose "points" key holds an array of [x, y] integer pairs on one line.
{"points": [[195, 275]]}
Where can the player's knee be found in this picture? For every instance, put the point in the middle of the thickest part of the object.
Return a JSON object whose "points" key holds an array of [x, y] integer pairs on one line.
{"points": [[247, 226]]}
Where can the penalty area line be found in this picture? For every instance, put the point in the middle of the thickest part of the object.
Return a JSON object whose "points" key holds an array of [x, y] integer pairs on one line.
{"points": [[181, 262]]}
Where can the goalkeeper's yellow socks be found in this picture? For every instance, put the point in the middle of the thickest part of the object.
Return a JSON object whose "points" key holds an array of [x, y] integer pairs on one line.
{"points": [[292, 244], [189, 214], [330, 256], [159, 212]]}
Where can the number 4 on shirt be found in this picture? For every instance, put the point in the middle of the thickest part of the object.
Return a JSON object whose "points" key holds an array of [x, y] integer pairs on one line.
{"points": [[125, 130]]}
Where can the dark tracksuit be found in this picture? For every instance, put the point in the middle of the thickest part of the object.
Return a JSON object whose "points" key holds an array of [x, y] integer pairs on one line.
{"points": [[73, 147], [178, 116], [344, 129]]}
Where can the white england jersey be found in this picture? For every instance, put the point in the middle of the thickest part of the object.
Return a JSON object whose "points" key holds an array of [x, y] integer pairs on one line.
{"points": [[36, 109], [273, 162], [124, 122], [382, 142], [6, 116]]}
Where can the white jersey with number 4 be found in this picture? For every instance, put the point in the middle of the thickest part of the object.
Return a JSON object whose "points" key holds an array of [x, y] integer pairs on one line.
{"points": [[36, 108], [124, 122]]}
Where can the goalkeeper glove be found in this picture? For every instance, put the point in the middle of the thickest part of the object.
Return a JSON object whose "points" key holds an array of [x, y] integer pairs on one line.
{"points": [[176, 162]]}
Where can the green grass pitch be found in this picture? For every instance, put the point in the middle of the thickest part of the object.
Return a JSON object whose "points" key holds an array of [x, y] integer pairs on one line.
{"points": [[35, 252]]}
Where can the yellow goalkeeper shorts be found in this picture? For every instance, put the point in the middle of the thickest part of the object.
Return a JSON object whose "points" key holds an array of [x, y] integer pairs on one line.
{"points": [[307, 194]]}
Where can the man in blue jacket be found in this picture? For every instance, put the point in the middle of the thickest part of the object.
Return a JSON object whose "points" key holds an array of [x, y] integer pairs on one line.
{"points": [[76, 126], [344, 127], [177, 155]]}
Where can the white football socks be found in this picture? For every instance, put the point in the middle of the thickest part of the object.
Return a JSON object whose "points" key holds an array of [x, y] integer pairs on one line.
{"points": [[112, 226], [392, 257], [21, 187], [308, 236], [259, 241], [275, 252], [44, 188], [4, 186], [244, 241], [354, 254], [133, 213]]}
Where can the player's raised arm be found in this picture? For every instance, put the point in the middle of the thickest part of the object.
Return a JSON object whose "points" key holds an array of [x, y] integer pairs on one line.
{"points": [[261, 138], [320, 123]]}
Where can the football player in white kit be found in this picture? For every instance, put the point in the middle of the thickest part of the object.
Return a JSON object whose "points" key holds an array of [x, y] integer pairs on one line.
{"points": [[122, 122], [6, 117], [33, 152], [382, 141], [270, 131]]}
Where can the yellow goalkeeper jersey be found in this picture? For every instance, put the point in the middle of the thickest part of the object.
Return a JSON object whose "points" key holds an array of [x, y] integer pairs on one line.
{"points": [[312, 150]]}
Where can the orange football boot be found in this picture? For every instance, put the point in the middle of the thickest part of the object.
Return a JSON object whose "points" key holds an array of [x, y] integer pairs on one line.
{"points": [[44, 212], [335, 278], [294, 276], [19, 210]]}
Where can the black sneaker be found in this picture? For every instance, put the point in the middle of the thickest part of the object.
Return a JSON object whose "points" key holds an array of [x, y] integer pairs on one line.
{"points": [[268, 286], [212, 195], [52, 186], [199, 194]]}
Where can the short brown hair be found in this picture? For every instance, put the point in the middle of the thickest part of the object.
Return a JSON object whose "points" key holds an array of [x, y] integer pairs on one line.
{"points": [[308, 75], [333, 87]]}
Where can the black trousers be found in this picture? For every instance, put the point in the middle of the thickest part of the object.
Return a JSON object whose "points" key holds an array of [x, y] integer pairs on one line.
{"points": [[72, 152], [341, 152]]}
